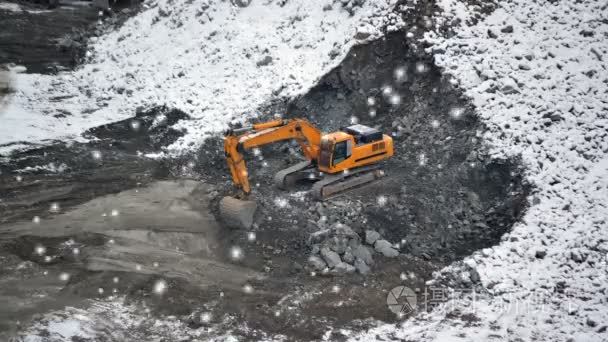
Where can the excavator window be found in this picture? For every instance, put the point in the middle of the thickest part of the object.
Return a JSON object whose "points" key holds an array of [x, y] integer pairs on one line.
{"points": [[340, 151]]}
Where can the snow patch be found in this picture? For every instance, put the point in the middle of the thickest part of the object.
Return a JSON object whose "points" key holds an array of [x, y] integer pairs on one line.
{"points": [[536, 71], [215, 61]]}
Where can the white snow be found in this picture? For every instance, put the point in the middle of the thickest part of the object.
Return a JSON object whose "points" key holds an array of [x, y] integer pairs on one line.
{"points": [[542, 91], [215, 61], [9, 6]]}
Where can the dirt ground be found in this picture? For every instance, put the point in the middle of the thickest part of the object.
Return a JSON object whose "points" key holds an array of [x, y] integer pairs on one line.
{"points": [[150, 223]]}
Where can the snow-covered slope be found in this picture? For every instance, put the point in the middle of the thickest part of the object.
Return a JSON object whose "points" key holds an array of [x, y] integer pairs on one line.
{"points": [[537, 73], [212, 59]]}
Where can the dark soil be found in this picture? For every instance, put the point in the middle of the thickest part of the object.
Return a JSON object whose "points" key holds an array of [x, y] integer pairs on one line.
{"points": [[47, 40]]}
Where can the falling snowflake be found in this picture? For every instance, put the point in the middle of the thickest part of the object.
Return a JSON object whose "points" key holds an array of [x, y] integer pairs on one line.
{"points": [[371, 101], [410, 35], [381, 200], [114, 212], [64, 276], [236, 253], [335, 289], [54, 207], [257, 152], [400, 74], [281, 202], [48, 258], [100, 290], [403, 276], [155, 264], [135, 125], [422, 159], [76, 251], [372, 113], [265, 163], [421, 67], [206, 317], [427, 22], [40, 249], [18, 178], [456, 112], [277, 313], [36, 219], [115, 280], [354, 120], [248, 289], [435, 123], [313, 274], [387, 90], [251, 236], [111, 241], [394, 99], [138, 267], [160, 287], [96, 155]]}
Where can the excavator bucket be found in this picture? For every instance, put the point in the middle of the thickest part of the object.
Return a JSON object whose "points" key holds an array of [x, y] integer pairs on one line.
{"points": [[237, 213]]}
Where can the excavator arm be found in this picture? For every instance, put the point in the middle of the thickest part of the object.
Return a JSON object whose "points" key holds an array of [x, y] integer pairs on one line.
{"points": [[236, 141]]}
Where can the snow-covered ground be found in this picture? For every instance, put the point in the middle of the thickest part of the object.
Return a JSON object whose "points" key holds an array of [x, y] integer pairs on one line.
{"points": [[212, 59], [536, 71]]}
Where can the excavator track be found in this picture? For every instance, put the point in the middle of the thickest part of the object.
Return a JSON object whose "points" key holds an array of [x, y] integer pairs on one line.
{"points": [[287, 178], [333, 185]]}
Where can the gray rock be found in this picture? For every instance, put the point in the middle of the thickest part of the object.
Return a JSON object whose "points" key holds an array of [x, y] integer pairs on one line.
{"points": [[316, 263], [331, 258], [363, 253], [264, 61], [338, 244], [348, 256], [371, 236], [540, 254], [361, 266], [474, 275], [343, 267], [385, 247], [576, 257], [341, 229], [507, 29]]}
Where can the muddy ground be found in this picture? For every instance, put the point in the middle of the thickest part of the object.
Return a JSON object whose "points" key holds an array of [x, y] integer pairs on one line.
{"points": [[143, 220]]}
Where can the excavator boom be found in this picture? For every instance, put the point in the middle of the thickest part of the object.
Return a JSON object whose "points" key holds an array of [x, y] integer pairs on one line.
{"points": [[238, 140]]}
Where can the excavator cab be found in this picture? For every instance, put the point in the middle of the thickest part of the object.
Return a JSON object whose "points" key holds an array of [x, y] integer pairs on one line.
{"points": [[353, 146]]}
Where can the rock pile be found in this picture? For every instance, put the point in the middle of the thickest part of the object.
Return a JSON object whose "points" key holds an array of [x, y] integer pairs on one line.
{"points": [[340, 250]]}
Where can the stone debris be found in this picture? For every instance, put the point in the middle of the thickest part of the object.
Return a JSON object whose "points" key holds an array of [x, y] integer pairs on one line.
{"points": [[331, 258], [385, 247], [342, 250]]}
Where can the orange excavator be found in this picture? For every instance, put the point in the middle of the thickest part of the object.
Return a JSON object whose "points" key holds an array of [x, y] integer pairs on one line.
{"points": [[336, 161]]}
